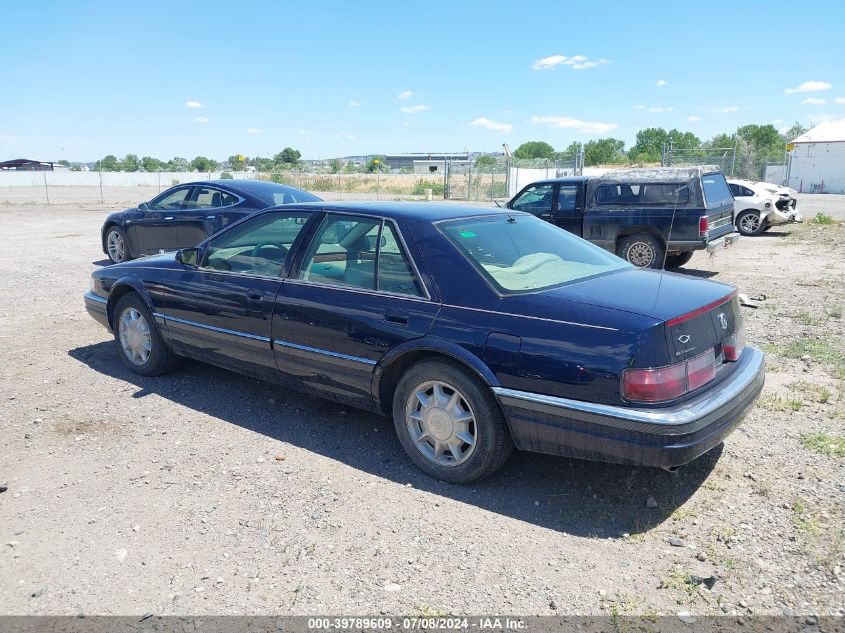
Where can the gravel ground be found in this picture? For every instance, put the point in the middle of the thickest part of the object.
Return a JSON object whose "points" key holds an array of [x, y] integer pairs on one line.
{"points": [[204, 492]]}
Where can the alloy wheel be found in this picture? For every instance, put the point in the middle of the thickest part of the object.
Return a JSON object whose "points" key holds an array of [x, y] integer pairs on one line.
{"points": [[135, 338], [441, 423], [116, 246]]}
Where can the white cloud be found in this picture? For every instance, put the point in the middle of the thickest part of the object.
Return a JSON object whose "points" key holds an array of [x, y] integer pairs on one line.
{"points": [[840, 100], [8, 139], [729, 109], [639, 107], [194, 105], [253, 130], [405, 94], [355, 104], [810, 86], [813, 101], [202, 119], [693, 118], [414, 109], [492, 125], [584, 127], [660, 109], [661, 82], [822, 118], [346, 136], [578, 62]]}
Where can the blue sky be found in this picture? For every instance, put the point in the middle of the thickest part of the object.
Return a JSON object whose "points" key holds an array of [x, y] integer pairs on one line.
{"points": [[83, 79]]}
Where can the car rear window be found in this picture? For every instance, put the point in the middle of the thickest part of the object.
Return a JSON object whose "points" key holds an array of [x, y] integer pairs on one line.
{"points": [[522, 253], [284, 195], [642, 194], [716, 190]]}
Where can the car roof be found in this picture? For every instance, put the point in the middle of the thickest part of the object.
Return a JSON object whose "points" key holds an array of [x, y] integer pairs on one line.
{"points": [[424, 211], [548, 181], [243, 185], [656, 174]]}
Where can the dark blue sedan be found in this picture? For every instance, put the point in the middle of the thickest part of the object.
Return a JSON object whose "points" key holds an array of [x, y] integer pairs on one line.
{"points": [[476, 330], [184, 215]]}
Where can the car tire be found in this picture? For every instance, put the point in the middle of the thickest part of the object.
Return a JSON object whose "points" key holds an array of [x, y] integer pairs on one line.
{"points": [[117, 246], [138, 341], [678, 259], [748, 223], [642, 250], [460, 435]]}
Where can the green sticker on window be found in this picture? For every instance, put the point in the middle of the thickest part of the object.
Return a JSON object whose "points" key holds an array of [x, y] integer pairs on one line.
{"points": [[468, 234]]}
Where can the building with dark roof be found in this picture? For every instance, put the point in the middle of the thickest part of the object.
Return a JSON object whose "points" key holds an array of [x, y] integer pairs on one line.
{"points": [[26, 164]]}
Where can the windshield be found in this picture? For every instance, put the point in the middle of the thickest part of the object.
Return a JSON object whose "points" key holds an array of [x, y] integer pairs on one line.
{"points": [[521, 253]]}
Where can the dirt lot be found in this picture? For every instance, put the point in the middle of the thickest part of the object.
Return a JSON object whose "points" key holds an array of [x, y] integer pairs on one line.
{"points": [[130, 495]]}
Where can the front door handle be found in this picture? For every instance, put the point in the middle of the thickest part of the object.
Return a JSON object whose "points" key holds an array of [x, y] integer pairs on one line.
{"points": [[210, 217], [168, 217], [255, 296], [399, 319]]}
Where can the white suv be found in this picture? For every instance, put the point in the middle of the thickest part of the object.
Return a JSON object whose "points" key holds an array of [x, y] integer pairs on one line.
{"points": [[757, 207]]}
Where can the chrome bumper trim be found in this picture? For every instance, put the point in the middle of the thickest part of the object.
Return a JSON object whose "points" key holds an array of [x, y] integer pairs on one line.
{"points": [[687, 414]]}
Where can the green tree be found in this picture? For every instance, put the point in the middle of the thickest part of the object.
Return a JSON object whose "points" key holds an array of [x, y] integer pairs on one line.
{"points": [[335, 165], [178, 164], [288, 155], [66, 163], [794, 132], [107, 163], [237, 162], [201, 163], [130, 162], [761, 137], [485, 160], [571, 150], [535, 149], [604, 151], [377, 163], [151, 164], [262, 164]]}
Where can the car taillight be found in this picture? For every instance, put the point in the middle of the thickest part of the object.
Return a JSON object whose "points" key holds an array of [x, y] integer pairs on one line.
{"points": [[668, 383], [703, 226], [733, 345]]}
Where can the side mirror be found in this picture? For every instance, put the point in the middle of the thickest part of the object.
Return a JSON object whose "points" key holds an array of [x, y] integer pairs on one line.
{"points": [[143, 207], [188, 256]]}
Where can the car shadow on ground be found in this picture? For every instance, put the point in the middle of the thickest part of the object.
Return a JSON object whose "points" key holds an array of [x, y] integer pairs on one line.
{"points": [[571, 496], [696, 272]]}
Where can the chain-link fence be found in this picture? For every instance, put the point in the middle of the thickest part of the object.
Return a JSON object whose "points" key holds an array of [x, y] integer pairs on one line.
{"points": [[735, 162]]}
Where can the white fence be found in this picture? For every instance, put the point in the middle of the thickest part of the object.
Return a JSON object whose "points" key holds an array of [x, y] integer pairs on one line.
{"points": [[162, 179]]}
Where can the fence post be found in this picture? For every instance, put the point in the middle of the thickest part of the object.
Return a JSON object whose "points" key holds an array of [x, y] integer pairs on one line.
{"points": [[46, 192], [100, 174]]}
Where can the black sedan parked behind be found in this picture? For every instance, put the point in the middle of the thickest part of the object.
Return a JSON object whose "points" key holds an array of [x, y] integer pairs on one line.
{"points": [[475, 330], [184, 215]]}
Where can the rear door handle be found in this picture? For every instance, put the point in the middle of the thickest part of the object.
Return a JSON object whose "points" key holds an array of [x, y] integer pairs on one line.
{"points": [[210, 217], [399, 319], [255, 296], [169, 217]]}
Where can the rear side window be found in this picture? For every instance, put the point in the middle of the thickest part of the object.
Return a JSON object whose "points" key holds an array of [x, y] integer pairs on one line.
{"points": [[716, 190], [644, 194]]}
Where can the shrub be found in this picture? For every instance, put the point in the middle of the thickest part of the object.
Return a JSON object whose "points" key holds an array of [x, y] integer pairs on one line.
{"points": [[225, 176], [821, 218], [421, 185]]}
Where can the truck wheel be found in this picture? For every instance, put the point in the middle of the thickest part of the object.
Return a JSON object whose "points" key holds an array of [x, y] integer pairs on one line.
{"points": [[748, 223], [676, 260], [642, 250]]}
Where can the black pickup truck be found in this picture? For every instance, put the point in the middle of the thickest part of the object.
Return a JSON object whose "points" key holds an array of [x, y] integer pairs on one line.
{"points": [[642, 215]]}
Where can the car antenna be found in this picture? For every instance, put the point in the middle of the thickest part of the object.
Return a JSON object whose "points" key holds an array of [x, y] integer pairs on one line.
{"points": [[511, 219], [677, 193]]}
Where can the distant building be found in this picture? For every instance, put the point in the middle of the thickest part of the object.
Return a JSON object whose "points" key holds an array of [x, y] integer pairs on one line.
{"points": [[817, 159], [26, 164], [423, 163]]}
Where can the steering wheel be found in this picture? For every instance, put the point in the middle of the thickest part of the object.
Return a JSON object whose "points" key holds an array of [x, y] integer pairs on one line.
{"points": [[268, 255]]}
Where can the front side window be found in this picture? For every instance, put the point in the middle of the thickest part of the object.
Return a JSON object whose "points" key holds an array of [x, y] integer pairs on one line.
{"points": [[360, 252], [521, 253], [258, 246], [170, 201], [536, 199]]}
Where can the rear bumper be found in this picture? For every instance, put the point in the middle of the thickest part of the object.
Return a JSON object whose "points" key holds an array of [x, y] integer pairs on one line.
{"points": [[786, 216], [97, 307], [663, 438], [721, 243]]}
